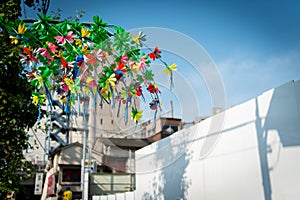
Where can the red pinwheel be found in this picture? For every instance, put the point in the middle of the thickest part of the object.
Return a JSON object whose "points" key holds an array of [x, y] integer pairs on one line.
{"points": [[155, 54], [91, 59], [138, 89], [28, 59], [152, 88]]}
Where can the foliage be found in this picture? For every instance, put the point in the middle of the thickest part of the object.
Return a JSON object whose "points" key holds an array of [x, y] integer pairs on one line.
{"points": [[16, 110]]}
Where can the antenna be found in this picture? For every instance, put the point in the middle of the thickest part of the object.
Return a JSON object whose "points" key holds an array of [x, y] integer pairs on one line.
{"points": [[171, 109]]}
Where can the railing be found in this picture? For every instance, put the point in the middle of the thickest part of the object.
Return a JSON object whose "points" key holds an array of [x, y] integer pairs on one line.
{"points": [[102, 184]]}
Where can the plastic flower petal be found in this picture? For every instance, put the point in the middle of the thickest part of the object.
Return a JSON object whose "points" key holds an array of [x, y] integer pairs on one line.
{"points": [[124, 58], [136, 115], [21, 29], [136, 39], [85, 50], [155, 54], [85, 32], [91, 82], [45, 53], [35, 99], [62, 39], [134, 68], [52, 47], [78, 42], [70, 36], [14, 40], [170, 68], [112, 80]]}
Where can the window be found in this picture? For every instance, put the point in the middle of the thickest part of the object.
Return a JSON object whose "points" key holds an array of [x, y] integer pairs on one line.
{"points": [[169, 129], [71, 175]]}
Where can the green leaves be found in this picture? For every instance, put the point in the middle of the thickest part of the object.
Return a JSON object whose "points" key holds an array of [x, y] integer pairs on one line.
{"points": [[121, 41], [149, 75], [98, 21]]}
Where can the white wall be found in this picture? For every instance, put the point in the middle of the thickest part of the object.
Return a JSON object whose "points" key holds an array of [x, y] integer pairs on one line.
{"points": [[255, 156]]}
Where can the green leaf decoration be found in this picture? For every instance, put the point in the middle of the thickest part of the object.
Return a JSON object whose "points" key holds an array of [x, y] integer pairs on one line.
{"points": [[149, 75]]}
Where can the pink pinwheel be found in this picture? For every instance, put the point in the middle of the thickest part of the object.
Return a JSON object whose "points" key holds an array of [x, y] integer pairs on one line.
{"points": [[62, 39], [90, 59], [52, 47], [142, 63], [45, 53], [131, 62], [99, 55], [124, 58]]}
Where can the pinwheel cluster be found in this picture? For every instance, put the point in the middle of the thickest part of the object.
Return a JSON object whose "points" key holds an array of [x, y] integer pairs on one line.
{"points": [[71, 59]]}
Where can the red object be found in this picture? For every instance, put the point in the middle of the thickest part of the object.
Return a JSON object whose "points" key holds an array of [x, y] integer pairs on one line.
{"points": [[155, 54], [51, 185], [27, 51]]}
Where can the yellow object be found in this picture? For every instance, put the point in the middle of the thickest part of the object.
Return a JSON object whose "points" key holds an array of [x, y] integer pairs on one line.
{"points": [[78, 42], [85, 32], [67, 195], [14, 40], [21, 29], [137, 116], [170, 68], [136, 39]]}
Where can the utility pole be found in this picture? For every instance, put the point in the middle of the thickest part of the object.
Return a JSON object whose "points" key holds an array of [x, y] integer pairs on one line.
{"points": [[84, 174]]}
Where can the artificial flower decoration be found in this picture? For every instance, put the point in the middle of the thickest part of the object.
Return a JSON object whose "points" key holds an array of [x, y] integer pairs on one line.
{"points": [[13, 40], [69, 59], [27, 58], [152, 88], [169, 69], [139, 38], [136, 115], [85, 32], [21, 29], [63, 39], [155, 54], [78, 42]]}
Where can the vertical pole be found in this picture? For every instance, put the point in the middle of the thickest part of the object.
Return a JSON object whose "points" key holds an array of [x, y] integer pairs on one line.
{"points": [[171, 109], [83, 154]]}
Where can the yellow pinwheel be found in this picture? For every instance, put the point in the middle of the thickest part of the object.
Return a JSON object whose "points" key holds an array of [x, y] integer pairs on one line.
{"points": [[78, 42], [170, 68], [21, 29], [111, 81], [14, 40], [136, 115], [85, 32], [35, 99], [136, 39], [85, 50]]}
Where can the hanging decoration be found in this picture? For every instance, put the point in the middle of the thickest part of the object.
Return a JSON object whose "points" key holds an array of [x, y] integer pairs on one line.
{"points": [[71, 59]]}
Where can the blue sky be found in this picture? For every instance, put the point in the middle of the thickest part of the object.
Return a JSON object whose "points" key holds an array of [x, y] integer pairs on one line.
{"points": [[255, 45]]}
